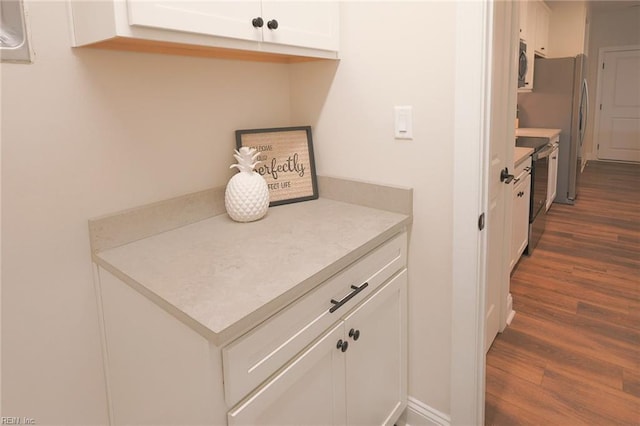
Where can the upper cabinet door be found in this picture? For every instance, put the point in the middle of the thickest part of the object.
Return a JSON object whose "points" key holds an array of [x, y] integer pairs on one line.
{"points": [[523, 21], [542, 29], [313, 24], [220, 18]]}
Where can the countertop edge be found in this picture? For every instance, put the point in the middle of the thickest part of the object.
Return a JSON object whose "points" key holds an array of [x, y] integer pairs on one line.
{"points": [[267, 310], [522, 154], [535, 132]]}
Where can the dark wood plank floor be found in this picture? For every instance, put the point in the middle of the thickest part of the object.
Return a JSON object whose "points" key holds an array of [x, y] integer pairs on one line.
{"points": [[572, 353]]}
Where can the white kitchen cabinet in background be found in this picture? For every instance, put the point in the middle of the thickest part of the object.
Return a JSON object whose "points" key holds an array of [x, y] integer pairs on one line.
{"points": [[524, 28], [552, 188], [534, 24], [259, 30], [520, 210], [541, 39]]}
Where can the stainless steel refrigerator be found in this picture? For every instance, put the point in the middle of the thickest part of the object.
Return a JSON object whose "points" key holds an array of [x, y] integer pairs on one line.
{"points": [[559, 100]]}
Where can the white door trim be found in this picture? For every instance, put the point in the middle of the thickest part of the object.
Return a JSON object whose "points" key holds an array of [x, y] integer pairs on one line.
{"points": [[596, 106], [474, 25]]}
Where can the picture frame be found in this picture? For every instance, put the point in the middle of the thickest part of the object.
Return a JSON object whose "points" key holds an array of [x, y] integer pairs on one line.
{"points": [[286, 161]]}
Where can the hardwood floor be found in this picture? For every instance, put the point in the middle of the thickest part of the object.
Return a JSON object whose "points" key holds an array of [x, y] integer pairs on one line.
{"points": [[572, 353]]}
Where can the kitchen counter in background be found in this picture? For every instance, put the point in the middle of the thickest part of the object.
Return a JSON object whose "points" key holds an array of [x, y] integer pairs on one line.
{"points": [[221, 277], [520, 154], [532, 132]]}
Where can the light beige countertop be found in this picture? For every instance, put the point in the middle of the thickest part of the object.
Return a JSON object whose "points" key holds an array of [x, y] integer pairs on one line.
{"points": [[222, 277], [537, 132], [520, 154]]}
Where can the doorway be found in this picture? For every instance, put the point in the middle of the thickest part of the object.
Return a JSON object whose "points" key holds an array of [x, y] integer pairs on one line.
{"points": [[617, 117]]}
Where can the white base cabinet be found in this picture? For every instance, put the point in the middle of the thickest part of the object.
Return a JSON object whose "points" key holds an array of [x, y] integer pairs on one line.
{"points": [[552, 188], [259, 30], [355, 374], [309, 391], [520, 211], [376, 371], [335, 356]]}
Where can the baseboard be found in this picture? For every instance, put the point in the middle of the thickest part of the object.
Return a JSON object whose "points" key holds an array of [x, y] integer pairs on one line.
{"points": [[510, 312], [420, 414]]}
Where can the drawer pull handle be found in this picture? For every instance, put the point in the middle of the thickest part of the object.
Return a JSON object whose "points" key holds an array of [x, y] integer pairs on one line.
{"points": [[337, 304]]}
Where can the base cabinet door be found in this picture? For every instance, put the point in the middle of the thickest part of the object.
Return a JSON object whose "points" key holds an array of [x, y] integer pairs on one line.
{"points": [[376, 357], [520, 220], [309, 391], [356, 374], [552, 189]]}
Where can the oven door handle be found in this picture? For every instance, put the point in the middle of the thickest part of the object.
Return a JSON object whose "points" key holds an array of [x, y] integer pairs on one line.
{"points": [[544, 153]]}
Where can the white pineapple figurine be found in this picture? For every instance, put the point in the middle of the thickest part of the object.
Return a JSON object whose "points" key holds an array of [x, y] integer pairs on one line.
{"points": [[247, 195]]}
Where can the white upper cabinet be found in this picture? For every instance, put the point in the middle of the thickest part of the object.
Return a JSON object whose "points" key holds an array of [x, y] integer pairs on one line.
{"points": [[567, 29], [535, 16], [541, 43], [302, 23], [261, 30], [523, 21], [227, 19]]}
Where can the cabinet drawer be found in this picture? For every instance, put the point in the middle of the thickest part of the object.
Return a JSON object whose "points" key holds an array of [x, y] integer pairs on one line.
{"points": [[254, 357], [522, 168]]}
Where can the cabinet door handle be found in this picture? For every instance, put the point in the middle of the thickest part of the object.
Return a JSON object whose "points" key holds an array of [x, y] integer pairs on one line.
{"points": [[272, 24], [516, 180], [342, 345], [356, 290], [354, 334], [527, 169], [257, 22]]}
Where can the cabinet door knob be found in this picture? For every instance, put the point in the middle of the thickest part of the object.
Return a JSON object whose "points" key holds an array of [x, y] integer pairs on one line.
{"points": [[257, 22], [272, 24], [354, 334], [342, 345]]}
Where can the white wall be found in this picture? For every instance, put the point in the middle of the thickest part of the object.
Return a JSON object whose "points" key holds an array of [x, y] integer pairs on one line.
{"points": [[85, 133], [397, 53], [618, 27]]}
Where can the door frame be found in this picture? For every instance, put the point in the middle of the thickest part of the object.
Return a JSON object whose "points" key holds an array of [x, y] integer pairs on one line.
{"points": [[596, 118], [474, 25]]}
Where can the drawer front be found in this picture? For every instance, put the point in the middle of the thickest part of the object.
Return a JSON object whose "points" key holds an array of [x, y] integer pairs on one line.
{"points": [[254, 357], [523, 168]]}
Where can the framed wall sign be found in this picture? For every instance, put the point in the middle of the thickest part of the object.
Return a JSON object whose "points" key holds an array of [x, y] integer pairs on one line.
{"points": [[286, 162]]}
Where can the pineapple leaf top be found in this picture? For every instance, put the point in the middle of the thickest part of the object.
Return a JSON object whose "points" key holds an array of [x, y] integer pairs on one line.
{"points": [[246, 158]]}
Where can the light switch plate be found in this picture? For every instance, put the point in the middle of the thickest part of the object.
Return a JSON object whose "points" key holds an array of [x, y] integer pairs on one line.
{"points": [[403, 122]]}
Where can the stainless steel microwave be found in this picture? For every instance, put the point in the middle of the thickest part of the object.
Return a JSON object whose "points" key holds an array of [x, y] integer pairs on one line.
{"points": [[522, 65]]}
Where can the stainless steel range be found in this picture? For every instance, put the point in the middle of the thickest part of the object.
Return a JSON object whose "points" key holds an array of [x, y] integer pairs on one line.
{"points": [[539, 183]]}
